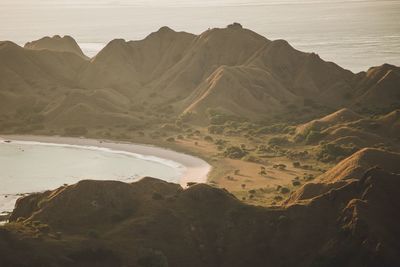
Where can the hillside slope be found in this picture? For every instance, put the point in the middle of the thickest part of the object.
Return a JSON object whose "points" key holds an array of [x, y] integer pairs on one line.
{"points": [[153, 223], [232, 70]]}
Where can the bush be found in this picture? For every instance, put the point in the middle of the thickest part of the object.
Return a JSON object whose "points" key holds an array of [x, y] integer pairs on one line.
{"points": [[278, 141], [254, 159], [314, 136], [208, 138], [296, 164], [331, 152], [296, 183], [272, 129], [285, 190], [170, 139], [216, 129], [170, 127], [234, 152], [279, 166]]}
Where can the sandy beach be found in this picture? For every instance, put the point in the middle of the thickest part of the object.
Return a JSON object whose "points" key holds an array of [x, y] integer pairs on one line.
{"points": [[196, 169]]}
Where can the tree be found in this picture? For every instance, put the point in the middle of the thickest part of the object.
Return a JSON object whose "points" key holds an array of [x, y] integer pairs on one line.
{"points": [[262, 171], [234, 152]]}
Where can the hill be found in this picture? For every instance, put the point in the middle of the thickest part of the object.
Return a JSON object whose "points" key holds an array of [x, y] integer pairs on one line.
{"points": [[347, 170], [343, 132], [377, 89], [153, 223], [56, 43], [232, 71]]}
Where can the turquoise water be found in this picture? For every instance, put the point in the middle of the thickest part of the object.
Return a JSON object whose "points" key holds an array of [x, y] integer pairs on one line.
{"points": [[27, 167]]}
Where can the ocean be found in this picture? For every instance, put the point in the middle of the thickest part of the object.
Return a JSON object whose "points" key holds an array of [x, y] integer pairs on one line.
{"points": [[355, 34], [28, 167]]}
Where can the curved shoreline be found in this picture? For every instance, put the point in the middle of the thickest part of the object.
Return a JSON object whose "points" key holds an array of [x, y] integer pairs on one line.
{"points": [[196, 169]]}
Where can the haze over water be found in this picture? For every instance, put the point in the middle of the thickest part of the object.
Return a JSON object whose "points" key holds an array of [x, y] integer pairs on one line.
{"points": [[356, 34]]}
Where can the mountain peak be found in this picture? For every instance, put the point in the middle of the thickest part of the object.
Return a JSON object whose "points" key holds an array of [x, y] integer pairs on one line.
{"points": [[165, 29], [235, 26], [8, 44], [56, 43]]}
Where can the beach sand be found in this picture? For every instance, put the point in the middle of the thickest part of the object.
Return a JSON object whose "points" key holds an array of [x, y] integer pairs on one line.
{"points": [[196, 169]]}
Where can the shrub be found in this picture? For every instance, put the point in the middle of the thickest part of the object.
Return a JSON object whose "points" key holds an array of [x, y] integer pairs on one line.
{"points": [[208, 138], [216, 129], [170, 127], [285, 190], [170, 139], [296, 164], [251, 158], [185, 117], [272, 129], [277, 141], [279, 166], [234, 152], [314, 136], [331, 152], [296, 183]]}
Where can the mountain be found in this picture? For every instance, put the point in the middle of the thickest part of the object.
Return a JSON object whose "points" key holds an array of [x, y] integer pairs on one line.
{"points": [[56, 43], [378, 88], [30, 79], [350, 169], [358, 163], [345, 128], [133, 64], [339, 117], [232, 71], [153, 223]]}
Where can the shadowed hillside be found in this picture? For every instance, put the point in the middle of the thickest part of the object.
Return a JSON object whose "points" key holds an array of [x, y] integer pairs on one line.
{"points": [[153, 223]]}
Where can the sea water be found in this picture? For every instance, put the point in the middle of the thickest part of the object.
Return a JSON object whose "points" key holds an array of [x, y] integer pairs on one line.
{"points": [[356, 34], [27, 167]]}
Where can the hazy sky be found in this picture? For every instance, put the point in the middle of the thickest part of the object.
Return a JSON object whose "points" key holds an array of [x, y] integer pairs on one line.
{"points": [[354, 33]]}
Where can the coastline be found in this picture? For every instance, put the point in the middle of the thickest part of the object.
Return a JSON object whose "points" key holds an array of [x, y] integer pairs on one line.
{"points": [[196, 169]]}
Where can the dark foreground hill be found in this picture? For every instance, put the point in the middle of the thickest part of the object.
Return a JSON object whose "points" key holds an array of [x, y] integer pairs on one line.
{"points": [[154, 223]]}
